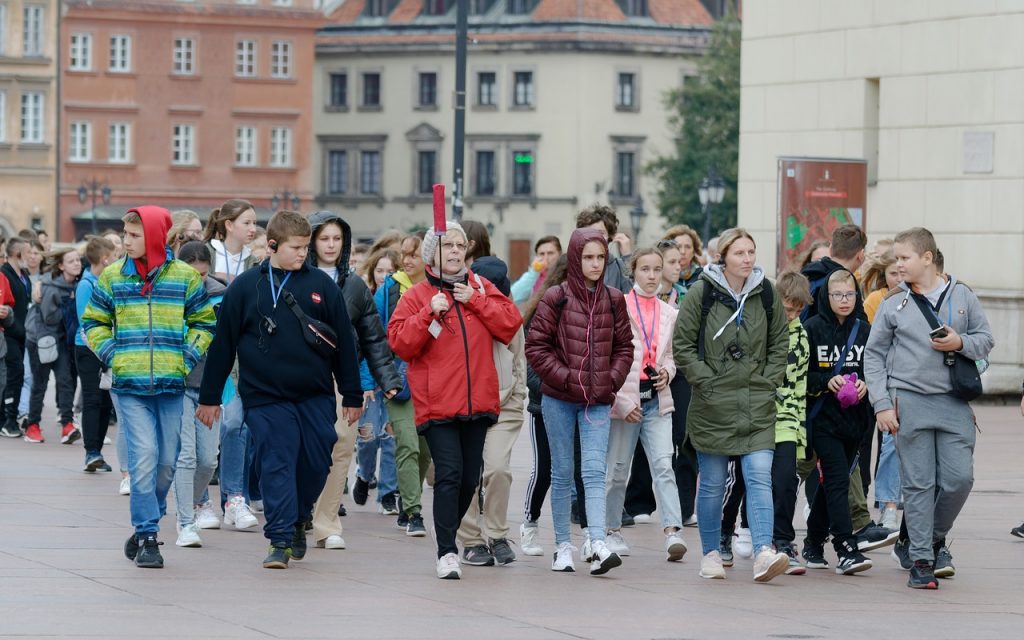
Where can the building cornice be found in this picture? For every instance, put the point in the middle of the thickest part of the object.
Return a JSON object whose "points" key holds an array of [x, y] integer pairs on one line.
{"points": [[105, 107], [181, 12]]}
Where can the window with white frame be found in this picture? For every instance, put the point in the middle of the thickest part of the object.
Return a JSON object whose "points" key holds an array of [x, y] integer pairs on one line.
{"points": [[281, 59], [280, 147], [32, 117], [81, 52], [370, 173], [3, 115], [183, 144], [184, 56], [522, 88], [625, 93], [487, 89], [32, 30], [245, 58], [245, 147], [79, 146], [119, 143], [120, 53]]}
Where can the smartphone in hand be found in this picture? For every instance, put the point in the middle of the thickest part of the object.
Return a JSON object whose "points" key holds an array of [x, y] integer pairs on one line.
{"points": [[938, 332]]}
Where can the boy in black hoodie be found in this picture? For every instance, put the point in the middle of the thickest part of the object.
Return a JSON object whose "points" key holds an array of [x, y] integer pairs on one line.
{"points": [[837, 418], [289, 406]]}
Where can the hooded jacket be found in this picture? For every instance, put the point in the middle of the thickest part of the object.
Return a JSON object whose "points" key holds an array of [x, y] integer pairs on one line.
{"points": [[827, 338], [509, 360], [452, 374], [817, 273], [628, 397], [215, 291], [732, 411], [495, 270], [149, 328], [370, 338], [580, 342], [21, 293], [47, 317]]}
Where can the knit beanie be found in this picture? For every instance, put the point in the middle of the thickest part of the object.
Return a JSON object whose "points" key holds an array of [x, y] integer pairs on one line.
{"points": [[428, 249]]}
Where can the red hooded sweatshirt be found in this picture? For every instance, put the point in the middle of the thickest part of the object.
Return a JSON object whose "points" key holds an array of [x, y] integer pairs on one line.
{"points": [[156, 222]]}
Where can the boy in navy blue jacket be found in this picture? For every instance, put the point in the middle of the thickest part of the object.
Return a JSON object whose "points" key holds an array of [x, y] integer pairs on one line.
{"points": [[286, 385], [837, 418]]}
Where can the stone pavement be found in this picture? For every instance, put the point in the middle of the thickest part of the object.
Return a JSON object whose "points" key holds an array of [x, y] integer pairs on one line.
{"points": [[62, 574]]}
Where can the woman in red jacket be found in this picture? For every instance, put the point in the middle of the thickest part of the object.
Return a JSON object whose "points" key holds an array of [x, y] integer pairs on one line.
{"points": [[443, 328], [581, 346]]}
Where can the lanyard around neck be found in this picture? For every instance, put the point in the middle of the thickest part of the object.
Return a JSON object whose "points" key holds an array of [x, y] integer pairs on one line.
{"points": [[275, 293], [227, 262], [643, 325]]}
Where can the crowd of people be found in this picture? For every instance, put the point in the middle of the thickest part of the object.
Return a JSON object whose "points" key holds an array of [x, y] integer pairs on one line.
{"points": [[674, 379]]}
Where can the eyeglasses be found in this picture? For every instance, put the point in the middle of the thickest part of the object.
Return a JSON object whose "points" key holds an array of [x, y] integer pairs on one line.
{"points": [[448, 246], [843, 297]]}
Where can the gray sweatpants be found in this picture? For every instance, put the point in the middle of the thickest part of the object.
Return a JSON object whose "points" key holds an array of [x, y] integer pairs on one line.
{"points": [[936, 449]]}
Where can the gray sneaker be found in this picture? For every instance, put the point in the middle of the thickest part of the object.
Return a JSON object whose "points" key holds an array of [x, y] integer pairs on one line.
{"points": [[943, 561], [502, 552], [478, 556]]}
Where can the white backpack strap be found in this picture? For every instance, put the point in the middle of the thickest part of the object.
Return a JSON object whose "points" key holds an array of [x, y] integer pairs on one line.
{"points": [[480, 284]]}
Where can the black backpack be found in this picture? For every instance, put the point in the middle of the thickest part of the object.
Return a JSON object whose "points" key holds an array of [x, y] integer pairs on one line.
{"points": [[711, 295]]}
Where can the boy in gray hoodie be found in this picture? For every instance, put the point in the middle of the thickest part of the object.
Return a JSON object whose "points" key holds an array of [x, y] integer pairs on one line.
{"points": [[912, 395]]}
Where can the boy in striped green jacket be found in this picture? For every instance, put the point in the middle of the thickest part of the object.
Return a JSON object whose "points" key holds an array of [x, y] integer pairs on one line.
{"points": [[149, 320]]}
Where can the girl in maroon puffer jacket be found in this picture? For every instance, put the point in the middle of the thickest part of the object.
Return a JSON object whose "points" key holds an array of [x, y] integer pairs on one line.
{"points": [[581, 346]]}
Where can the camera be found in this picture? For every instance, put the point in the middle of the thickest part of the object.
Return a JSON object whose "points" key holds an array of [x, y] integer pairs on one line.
{"points": [[651, 372], [734, 351]]}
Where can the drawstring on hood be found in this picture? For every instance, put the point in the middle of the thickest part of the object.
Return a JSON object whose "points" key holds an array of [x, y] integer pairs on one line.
{"points": [[716, 273], [156, 222]]}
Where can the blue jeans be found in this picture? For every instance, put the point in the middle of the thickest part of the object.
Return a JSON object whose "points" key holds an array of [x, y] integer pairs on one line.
{"points": [[151, 425], [655, 431], [757, 473], [888, 487], [376, 438], [234, 443], [560, 421], [122, 443], [197, 459]]}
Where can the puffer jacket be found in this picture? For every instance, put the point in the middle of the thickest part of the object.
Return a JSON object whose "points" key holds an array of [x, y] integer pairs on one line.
{"points": [[368, 332], [453, 376], [580, 342], [732, 411], [628, 397], [47, 317]]}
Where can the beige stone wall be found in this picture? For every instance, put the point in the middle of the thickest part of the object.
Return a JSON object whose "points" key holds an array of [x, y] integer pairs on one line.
{"points": [[575, 123], [27, 171], [909, 86]]}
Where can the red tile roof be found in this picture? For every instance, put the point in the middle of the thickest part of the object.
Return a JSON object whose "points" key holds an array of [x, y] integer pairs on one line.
{"points": [[690, 12], [347, 12]]}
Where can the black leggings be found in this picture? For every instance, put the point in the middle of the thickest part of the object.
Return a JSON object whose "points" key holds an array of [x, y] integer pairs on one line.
{"points": [[735, 492]]}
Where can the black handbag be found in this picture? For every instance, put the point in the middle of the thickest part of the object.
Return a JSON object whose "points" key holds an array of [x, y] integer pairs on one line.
{"points": [[319, 335], [964, 376]]}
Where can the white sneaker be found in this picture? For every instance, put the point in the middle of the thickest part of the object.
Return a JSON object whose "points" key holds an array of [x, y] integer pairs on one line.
{"points": [[691, 521], [257, 506], [711, 566], [239, 514], [586, 553], [188, 536], [744, 545], [448, 567], [642, 518], [769, 563], [126, 486], [106, 439], [563, 558], [604, 559], [675, 547], [333, 541], [206, 517], [528, 540], [616, 543], [890, 519]]}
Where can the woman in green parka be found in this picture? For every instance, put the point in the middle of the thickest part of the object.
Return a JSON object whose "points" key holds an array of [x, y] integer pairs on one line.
{"points": [[734, 378]]}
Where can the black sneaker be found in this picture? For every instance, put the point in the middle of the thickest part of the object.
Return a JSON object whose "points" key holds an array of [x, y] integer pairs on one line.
{"points": [[403, 521], [389, 504], [361, 491], [627, 520], [502, 552], [901, 554], [10, 430], [278, 556], [725, 549], [875, 536], [795, 568], [851, 561], [149, 553], [1018, 531], [943, 561], [93, 462], [299, 541], [814, 555], [478, 556], [342, 511], [131, 547], [415, 528], [922, 576]]}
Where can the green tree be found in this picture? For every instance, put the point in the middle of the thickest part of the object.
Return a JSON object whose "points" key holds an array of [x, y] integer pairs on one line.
{"points": [[705, 115]]}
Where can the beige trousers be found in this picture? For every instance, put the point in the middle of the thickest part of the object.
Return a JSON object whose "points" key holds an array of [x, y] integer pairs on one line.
{"points": [[325, 514]]}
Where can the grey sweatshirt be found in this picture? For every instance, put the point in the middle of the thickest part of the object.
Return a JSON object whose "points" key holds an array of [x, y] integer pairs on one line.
{"points": [[899, 353]]}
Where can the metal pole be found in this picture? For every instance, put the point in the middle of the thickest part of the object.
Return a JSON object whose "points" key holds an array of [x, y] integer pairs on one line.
{"points": [[94, 185], [461, 35]]}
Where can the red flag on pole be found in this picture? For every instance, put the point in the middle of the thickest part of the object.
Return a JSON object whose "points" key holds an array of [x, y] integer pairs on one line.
{"points": [[440, 224]]}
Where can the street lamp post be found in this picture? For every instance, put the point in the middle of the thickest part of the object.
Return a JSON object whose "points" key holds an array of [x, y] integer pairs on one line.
{"points": [[711, 192], [287, 197], [95, 188], [636, 216]]}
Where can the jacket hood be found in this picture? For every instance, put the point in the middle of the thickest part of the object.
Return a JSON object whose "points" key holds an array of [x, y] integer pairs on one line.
{"points": [[58, 281], [825, 306], [156, 222], [319, 219], [214, 287], [821, 268], [402, 278], [716, 274], [575, 280], [494, 270]]}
